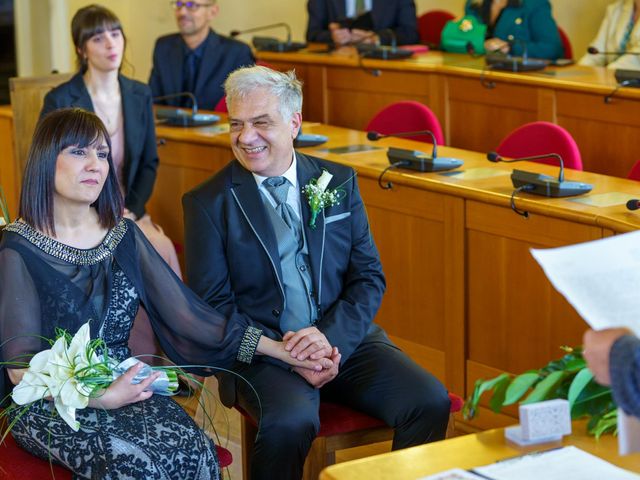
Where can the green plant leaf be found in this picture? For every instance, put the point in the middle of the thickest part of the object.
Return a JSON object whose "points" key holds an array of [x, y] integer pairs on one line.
{"points": [[545, 387], [497, 400], [580, 381], [471, 405], [519, 387]]}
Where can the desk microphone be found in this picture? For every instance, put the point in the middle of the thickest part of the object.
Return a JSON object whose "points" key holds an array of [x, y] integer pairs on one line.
{"points": [[633, 204], [414, 159], [512, 63], [270, 44], [624, 77], [594, 51], [181, 117], [383, 52], [540, 184]]}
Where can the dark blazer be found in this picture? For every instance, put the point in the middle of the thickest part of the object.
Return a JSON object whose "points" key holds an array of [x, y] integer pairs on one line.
{"points": [[232, 258], [528, 20], [397, 15], [140, 151], [221, 56]]}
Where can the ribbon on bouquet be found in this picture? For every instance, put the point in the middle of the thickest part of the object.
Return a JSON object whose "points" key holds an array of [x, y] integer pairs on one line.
{"points": [[166, 384]]}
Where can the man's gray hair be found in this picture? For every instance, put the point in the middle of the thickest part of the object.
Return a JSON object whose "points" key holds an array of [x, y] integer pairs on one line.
{"points": [[285, 86]]}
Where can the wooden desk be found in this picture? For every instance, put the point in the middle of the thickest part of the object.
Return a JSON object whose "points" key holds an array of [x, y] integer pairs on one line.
{"points": [[467, 452], [474, 117]]}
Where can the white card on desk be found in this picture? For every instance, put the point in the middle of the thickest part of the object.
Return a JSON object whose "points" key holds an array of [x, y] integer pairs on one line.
{"points": [[454, 474], [628, 433], [566, 463]]}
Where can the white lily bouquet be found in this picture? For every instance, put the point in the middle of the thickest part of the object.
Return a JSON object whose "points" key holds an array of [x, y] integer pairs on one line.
{"points": [[319, 197], [76, 369]]}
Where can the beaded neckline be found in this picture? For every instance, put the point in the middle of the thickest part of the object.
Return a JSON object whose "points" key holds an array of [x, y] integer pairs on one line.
{"points": [[69, 254]]}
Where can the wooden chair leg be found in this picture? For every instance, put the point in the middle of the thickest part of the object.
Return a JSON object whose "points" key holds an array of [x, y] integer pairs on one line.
{"points": [[451, 426], [316, 459], [248, 436]]}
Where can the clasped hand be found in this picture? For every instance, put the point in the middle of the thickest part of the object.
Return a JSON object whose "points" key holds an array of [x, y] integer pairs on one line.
{"points": [[311, 343]]}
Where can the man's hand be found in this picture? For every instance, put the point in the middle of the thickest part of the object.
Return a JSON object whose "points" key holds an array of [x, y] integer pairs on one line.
{"points": [[320, 378], [307, 343], [339, 35], [364, 36], [597, 346], [496, 45]]}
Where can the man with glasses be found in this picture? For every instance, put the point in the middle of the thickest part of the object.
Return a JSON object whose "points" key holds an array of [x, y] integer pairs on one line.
{"points": [[343, 22], [197, 59]]}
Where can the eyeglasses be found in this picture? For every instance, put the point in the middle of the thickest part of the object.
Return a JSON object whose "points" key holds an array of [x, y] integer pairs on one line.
{"points": [[191, 6]]}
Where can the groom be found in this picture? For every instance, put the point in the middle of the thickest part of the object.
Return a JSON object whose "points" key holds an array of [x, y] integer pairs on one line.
{"points": [[250, 250]]}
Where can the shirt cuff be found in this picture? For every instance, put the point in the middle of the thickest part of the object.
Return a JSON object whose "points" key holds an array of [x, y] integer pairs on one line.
{"points": [[249, 344]]}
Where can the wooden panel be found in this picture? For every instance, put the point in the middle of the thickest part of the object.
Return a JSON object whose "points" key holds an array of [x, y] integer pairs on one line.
{"points": [[8, 174], [516, 320], [479, 118]]}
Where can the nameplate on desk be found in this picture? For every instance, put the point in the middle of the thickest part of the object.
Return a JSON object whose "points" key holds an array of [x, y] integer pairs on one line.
{"points": [[604, 199], [346, 150], [475, 173]]}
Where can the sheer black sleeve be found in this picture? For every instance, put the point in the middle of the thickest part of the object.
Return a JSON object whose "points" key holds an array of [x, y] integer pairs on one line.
{"points": [[189, 330]]}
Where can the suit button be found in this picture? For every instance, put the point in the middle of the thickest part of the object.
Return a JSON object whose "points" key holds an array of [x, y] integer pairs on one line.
{"points": [[276, 312]]}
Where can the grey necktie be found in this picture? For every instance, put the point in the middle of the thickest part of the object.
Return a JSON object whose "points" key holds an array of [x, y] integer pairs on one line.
{"points": [[278, 187]]}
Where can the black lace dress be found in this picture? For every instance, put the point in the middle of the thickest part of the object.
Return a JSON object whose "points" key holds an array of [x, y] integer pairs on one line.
{"points": [[46, 284]]}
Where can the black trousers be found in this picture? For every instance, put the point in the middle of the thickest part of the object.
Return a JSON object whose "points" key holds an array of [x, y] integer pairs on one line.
{"points": [[378, 379]]}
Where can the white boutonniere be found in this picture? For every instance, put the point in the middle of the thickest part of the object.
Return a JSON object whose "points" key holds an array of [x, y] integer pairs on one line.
{"points": [[319, 197]]}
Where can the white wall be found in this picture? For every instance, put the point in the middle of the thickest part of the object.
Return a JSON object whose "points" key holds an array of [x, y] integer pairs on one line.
{"points": [[44, 43]]}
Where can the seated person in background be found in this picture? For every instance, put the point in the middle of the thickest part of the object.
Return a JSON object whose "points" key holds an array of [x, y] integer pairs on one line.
{"points": [[251, 251], [613, 356], [513, 25], [619, 32], [125, 107], [396, 15], [197, 59]]}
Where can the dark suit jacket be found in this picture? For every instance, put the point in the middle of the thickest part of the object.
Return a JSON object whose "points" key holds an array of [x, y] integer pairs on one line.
{"points": [[140, 151], [397, 15], [221, 56], [233, 263]]}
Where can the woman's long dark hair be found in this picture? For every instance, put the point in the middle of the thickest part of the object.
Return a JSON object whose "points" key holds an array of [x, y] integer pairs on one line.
{"points": [[58, 130], [89, 21]]}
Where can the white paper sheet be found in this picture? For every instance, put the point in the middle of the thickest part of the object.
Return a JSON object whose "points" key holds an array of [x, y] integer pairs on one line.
{"points": [[567, 463], [455, 474], [600, 279]]}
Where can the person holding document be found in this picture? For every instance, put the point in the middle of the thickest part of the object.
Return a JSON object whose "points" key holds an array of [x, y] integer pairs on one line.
{"points": [[613, 356]]}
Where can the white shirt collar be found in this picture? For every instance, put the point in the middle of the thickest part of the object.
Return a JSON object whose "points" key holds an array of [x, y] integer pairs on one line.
{"points": [[290, 175]]}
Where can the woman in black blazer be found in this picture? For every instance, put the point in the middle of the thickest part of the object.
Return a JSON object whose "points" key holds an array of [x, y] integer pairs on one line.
{"points": [[124, 106]]}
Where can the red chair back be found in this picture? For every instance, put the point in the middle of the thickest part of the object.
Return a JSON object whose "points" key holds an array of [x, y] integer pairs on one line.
{"points": [[566, 44], [538, 138], [634, 174], [407, 116], [430, 25]]}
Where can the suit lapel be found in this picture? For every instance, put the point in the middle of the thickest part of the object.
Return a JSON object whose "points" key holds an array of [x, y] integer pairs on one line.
{"points": [[79, 94], [341, 8], [176, 56], [246, 193], [306, 170], [209, 62]]}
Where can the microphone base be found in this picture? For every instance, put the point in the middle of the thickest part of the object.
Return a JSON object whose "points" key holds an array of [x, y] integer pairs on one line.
{"points": [[184, 118], [631, 76], [547, 186], [508, 63], [309, 140], [420, 161], [383, 52], [269, 44]]}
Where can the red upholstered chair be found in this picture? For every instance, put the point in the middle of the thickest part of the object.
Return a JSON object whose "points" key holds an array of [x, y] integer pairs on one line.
{"points": [[407, 116], [430, 25], [566, 44], [538, 138], [18, 464], [634, 173], [340, 427]]}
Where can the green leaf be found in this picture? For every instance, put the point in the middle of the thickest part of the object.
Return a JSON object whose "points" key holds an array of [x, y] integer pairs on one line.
{"points": [[545, 387], [497, 400], [580, 381], [519, 387], [471, 405]]}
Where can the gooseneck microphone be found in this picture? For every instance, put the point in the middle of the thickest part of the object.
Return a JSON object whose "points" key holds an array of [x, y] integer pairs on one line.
{"points": [[270, 44], [183, 118], [382, 52], [512, 63], [414, 159], [595, 51], [633, 204], [540, 184]]}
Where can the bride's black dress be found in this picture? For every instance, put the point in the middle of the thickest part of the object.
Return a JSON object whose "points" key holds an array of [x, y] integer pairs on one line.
{"points": [[46, 284]]}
